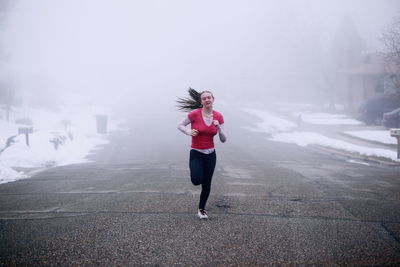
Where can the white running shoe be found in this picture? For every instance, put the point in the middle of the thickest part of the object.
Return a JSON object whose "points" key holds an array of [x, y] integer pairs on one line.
{"points": [[202, 214]]}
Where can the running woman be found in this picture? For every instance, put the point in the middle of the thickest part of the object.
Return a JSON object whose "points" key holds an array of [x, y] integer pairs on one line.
{"points": [[205, 123]]}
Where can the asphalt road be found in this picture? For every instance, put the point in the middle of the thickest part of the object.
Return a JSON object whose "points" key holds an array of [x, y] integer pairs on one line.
{"points": [[271, 204]]}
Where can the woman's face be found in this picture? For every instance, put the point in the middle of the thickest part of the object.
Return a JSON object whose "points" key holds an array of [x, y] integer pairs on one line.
{"points": [[207, 99]]}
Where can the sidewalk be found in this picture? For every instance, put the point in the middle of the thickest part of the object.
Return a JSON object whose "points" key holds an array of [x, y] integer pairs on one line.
{"points": [[339, 133], [332, 132]]}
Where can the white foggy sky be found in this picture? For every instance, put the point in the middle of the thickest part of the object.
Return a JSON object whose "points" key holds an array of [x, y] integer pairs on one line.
{"points": [[122, 50]]}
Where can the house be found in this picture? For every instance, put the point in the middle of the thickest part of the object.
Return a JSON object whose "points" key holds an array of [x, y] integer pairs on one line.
{"points": [[372, 78]]}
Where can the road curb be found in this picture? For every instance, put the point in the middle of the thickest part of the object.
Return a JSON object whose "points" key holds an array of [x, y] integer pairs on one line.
{"points": [[356, 156], [392, 146]]}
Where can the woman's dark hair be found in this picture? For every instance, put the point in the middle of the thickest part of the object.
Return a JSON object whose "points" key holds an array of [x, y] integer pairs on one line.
{"points": [[193, 102]]}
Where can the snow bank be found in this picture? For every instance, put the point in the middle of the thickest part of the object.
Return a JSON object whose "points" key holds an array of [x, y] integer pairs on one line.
{"points": [[271, 123], [7, 174], [381, 136], [328, 119], [59, 138], [282, 131], [311, 138]]}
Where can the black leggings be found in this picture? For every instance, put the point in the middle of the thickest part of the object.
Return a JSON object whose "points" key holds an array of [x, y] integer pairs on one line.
{"points": [[201, 171]]}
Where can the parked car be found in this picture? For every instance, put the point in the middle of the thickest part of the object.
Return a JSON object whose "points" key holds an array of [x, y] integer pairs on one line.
{"points": [[392, 119], [372, 110]]}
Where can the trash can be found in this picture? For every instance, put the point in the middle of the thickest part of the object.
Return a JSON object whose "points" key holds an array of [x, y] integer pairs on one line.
{"points": [[101, 123]]}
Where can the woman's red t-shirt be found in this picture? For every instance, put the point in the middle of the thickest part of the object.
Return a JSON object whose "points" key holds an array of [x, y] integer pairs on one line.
{"points": [[205, 138]]}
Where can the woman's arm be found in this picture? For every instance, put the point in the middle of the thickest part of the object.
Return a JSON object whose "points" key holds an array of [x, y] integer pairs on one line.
{"points": [[222, 135], [182, 126]]}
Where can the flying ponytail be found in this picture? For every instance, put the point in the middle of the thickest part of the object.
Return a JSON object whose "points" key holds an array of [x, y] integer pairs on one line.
{"points": [[193, 102], [188, 104]]}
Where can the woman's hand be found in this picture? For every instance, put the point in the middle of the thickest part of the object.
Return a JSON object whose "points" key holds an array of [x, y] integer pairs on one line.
{"points": [[194, 132], [216, 123]]}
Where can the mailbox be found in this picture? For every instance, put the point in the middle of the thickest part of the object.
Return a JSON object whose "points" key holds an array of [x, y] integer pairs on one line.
{"points": [[395, 132], [25, 130]]}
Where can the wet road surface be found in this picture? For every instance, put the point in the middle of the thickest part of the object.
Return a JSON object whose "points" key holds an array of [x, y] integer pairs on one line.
{"points": [[270, 204]]}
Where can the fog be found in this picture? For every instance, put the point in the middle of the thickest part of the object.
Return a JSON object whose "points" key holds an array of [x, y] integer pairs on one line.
{"points": [[145, 54]]}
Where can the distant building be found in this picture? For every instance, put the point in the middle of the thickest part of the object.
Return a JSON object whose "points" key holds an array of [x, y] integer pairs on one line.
{"points": [[372, 78]]}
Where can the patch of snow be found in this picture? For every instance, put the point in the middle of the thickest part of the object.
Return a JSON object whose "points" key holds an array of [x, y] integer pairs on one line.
{"points": [[328, 119], [282, 131], [7, 174], [271, 123], [310, 138], [51, 143], [382, 136], [358, 162]]}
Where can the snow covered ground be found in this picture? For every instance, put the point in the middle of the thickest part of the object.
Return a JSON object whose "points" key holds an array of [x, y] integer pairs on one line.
{"points": [[312, 138], [58, 138], [382, 136], [67, 137], [283, 130], [328, 119], [271, 123]]}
